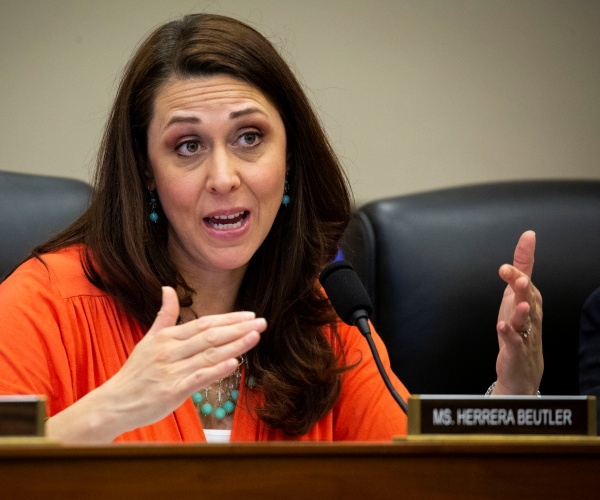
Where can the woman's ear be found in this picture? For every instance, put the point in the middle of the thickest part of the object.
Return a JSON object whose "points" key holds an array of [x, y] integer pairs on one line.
{"points": [[149, 179]]}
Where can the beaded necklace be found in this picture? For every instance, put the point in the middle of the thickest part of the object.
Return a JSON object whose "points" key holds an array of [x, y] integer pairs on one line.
{"points": [[226, 393]]}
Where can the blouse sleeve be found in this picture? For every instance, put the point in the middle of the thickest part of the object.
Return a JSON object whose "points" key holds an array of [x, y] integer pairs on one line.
{"points": [[33, 359]]}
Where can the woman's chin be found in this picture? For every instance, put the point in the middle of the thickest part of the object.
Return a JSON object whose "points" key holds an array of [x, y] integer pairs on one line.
{"points": [[231, 262]]}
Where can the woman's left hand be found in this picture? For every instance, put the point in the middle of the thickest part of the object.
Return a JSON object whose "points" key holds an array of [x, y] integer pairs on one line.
{"points": [[520, 362]]}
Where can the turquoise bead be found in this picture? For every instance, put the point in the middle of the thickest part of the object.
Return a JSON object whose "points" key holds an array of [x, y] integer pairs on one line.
{"points": [[234, 395], [197, 398], [285, 200], [220, 413], [251, 382], [153, 216], [206, 409], [228, 407]]}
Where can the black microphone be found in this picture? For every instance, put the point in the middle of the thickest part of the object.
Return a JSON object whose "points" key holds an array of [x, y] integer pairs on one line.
{"points": [[352, 304]]}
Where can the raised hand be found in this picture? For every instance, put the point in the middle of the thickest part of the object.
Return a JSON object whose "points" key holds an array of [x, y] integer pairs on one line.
{"points": [[169, 364], [520, 362]]}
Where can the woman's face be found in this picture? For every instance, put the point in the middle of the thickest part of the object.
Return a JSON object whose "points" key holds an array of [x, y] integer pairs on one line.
{"points": [[217, 150]]}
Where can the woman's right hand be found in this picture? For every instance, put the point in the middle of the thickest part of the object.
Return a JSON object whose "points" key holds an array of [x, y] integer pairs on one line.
{"points": [[166, 367]]}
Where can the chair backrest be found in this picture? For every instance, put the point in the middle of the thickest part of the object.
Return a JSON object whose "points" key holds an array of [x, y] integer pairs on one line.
{"points": [[430, 264], [34, 208]]}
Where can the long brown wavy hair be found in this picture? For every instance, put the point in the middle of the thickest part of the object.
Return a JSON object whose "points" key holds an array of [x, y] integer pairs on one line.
{"points": [[294, 364]]}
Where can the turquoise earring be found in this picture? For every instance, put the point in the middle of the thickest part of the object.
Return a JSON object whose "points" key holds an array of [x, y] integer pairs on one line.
{"points": [[153, 215], [285, 200]]}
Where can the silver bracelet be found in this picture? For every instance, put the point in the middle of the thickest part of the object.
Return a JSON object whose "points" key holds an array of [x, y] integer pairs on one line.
{"points": [[488, 393]]}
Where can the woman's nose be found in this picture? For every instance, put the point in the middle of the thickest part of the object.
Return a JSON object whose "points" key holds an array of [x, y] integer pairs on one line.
{"points": [[222, 172]]}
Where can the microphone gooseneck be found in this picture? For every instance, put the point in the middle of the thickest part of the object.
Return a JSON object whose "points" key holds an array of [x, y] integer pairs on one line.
{"points": [[352, 304]]}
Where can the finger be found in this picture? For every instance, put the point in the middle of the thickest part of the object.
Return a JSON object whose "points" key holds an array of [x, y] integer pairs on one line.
{"points": [[524, 253], [216, 355], [206, 376], [522, 289], [223, 335], [520, 321], [169, 310], [224, 319], [214, 338], [505, 332], [514, 334], [196, 326], [518, 281]]}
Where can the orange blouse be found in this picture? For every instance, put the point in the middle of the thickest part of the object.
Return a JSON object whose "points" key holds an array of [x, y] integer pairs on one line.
{"points": [[62, 337]]}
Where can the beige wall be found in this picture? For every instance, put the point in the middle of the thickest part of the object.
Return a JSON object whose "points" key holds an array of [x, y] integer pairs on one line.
{"points": [[414, 94]]}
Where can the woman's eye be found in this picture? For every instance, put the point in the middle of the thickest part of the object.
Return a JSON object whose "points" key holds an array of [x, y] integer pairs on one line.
{"points": [[188, 148], [250, 139]]}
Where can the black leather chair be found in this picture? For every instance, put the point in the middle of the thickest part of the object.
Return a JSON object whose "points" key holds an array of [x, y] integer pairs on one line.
{"points": [[430, 264], [34, 208]]}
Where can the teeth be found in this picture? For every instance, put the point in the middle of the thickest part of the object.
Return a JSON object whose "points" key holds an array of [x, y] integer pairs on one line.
{"points": [[232, 216], [227, 220], [227, 226]]}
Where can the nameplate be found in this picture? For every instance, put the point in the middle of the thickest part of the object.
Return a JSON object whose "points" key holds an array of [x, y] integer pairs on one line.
{"points": [[22, 416], [525, 415]]}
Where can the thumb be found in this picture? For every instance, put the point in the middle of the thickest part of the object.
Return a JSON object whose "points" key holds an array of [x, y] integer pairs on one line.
{"points": [[169, 310], [524, 253]]}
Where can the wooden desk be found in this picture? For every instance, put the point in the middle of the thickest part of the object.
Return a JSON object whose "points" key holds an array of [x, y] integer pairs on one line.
{"points": [[508, 469]]}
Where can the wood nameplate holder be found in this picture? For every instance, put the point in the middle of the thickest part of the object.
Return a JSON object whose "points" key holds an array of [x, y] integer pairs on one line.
{"points": [[22, 416]]}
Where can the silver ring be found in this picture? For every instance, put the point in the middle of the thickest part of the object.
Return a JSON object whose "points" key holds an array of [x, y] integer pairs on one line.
{"points": [[525, 334]]}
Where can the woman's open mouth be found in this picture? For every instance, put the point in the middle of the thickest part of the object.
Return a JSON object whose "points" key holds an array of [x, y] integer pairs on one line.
{"points": [[225, 222]]}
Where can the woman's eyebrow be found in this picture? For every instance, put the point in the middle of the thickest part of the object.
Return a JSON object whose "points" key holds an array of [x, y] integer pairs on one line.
{"points": [[182, 119], [195, 120], [244, 112]]}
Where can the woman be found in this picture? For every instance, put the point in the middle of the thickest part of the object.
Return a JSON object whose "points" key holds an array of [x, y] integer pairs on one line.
{"points": [[217, 193]]}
